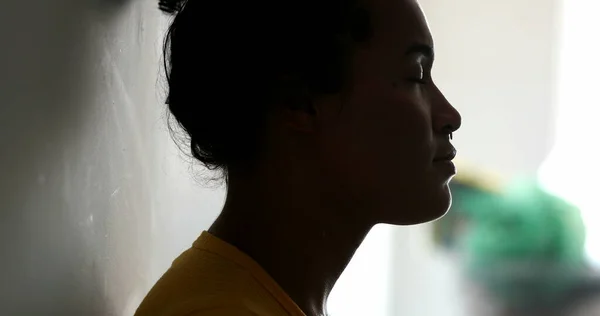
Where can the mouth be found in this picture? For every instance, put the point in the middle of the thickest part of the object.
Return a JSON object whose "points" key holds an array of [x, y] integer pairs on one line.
{"points": [[446, 156], [444, 164]]}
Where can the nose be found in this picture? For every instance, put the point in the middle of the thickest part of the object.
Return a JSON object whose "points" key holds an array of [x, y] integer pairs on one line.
{"points": [[445, 118]]}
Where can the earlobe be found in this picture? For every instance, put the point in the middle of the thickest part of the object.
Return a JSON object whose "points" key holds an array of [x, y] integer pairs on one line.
{"points": [[295, 106], [302, 111], [299, 116]]}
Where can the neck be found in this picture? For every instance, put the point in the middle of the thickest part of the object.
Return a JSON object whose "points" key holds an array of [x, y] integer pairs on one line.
{"points": [[293, 234]]}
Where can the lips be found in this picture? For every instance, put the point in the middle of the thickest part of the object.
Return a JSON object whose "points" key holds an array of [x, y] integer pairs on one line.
{"points": [[447, 155]]}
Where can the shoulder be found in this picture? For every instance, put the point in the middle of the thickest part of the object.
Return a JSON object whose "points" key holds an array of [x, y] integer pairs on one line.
{"points": [[220, 311], [200, 283], [193, 310]]}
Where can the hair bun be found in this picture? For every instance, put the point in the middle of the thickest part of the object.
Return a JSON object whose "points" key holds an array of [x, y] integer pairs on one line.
{"points": [[171, 6]]}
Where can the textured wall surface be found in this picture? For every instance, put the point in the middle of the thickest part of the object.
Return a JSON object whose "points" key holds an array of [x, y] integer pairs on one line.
{"points": [[94, 195]]}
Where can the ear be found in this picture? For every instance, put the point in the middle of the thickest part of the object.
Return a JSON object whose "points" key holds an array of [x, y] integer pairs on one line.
{"points": [[295, 106], [312, 115], [299, 114], [303, 111]]}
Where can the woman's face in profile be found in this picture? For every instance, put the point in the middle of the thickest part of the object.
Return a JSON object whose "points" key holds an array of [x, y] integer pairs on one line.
{"points": [[389, 145]]}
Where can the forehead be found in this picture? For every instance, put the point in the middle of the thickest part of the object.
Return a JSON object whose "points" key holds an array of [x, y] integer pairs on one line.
{"points": [[401, 22]]}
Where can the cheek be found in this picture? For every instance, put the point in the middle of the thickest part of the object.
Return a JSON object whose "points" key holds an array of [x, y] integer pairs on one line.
{"points": [[396, 125], [379, 153], [382, 137]]}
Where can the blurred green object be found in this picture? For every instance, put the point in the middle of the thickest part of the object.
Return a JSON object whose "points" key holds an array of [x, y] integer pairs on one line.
{"points": [[524, 245]]}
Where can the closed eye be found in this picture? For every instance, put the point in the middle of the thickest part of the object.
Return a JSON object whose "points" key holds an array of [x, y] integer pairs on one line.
{"points": [[420, 76], [419, 80]]}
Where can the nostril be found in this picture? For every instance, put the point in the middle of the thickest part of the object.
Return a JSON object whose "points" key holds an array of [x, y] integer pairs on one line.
{"points": [[449, 129]]}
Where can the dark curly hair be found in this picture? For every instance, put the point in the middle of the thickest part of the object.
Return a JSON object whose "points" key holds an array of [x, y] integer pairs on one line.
{"points": [[228, 62]]}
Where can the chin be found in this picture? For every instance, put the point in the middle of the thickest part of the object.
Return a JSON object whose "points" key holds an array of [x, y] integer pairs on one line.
{"points": [[439, 212], [421, 211], [441, 205], [433, 213], [424, 215]]}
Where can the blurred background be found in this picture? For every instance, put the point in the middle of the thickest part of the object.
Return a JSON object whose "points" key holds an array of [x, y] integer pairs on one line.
{"points": [[97, 200]]}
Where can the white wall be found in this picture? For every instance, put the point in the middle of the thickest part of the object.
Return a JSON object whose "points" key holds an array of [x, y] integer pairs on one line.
{"points": [[571, 171], [88, 221], [365, 288]]}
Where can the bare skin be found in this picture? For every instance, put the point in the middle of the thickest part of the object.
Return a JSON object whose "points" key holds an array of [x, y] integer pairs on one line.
{"points": [[378, 152]]}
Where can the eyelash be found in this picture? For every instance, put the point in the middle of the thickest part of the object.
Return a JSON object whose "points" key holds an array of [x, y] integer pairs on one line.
{"points": [[423, 78], [419, 81]]}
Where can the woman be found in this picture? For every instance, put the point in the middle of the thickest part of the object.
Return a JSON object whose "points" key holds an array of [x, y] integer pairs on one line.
{"points": [[324, 121]]}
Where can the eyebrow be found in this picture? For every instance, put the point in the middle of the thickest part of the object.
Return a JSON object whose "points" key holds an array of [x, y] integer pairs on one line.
{"points": [[421, 49]]}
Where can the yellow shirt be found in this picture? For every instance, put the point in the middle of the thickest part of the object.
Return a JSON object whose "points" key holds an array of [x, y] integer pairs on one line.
{"points": [[215, 278]]}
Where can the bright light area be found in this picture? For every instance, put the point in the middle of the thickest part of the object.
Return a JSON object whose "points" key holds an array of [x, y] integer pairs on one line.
{"points": [[572, 170], [364, 287]]}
